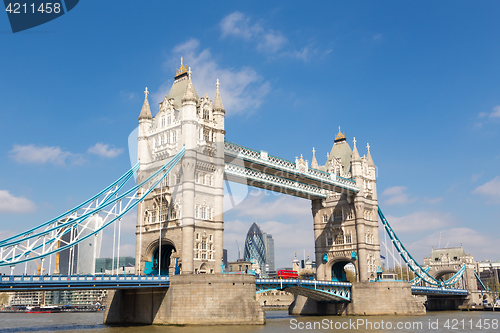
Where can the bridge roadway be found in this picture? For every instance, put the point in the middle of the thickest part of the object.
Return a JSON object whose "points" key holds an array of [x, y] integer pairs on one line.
{"points": [[317, 290]]}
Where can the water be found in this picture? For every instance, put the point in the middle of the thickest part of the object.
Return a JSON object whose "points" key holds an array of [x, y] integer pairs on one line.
{"points": [[277, 321]]}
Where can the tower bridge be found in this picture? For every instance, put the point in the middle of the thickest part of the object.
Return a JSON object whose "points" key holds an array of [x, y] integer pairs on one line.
{"points": [[183, 161]]}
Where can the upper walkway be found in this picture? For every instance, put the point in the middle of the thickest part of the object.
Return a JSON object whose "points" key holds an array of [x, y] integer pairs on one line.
{"points": [[259, 169]]}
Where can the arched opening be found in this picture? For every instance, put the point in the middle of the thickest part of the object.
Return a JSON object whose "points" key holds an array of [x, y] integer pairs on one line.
{"points": [[203, 269], [444, 274], [160, 263], [343, 270]]}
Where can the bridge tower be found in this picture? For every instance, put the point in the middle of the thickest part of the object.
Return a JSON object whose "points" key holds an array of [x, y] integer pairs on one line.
{"points": [[185, 213], [346, 225], [447, 261]]}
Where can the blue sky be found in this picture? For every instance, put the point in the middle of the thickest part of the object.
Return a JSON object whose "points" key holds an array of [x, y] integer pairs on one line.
{"points": [[417, 80]]}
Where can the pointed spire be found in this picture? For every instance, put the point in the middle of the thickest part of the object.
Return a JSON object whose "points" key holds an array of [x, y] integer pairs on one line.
{"points": [[339, 137], [369, 156], [181, 69], [314, 162], [145, 111], [355, 153], [217, 105], [189, 94], [295, 260]]}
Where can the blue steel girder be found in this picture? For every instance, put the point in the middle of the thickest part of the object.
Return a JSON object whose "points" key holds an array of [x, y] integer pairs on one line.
{"points": [[80, 282], [439, 291], [259, 169], [317, 290]]}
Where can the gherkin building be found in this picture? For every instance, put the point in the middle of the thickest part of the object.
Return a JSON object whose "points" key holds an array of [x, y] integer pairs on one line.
{"points": [[255, 247]]}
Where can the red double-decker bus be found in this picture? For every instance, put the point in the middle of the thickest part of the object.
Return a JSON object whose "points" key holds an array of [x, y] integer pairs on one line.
{"points": [[286, 274]]}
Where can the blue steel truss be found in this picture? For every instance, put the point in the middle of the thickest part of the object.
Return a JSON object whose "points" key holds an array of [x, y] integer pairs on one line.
{"points": [[318, 290], [77, 282], [83, 221], [412, 263], [480, 281], [421, 290]]}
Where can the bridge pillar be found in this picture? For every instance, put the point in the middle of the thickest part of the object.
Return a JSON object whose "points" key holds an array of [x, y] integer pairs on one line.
{"points": [[367, 299], [201, 299]]}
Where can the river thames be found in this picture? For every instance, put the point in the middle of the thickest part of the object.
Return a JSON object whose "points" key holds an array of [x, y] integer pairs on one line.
{"points": [[277, 321]]}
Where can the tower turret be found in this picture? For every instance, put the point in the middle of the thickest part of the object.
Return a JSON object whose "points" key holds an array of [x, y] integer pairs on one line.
{"points": [[296, 263], [219, 113], [145, 120], [314, 162], [355, 161]]}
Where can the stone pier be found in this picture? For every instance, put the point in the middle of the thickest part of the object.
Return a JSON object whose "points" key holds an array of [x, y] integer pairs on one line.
{"points": [[199, 299], [368, 298]]}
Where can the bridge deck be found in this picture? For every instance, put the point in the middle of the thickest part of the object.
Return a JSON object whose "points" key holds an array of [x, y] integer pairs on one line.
{"points": [[76, 282], [318, 290]]}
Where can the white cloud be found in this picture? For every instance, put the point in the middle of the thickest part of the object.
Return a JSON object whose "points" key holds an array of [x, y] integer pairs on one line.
{"points": [[432, 200], [476, 176], [241, 89], [490, 189], [12, 204], [31, 154], [236, 24], [495, 113], [420, 221], [480, 246], [268, 41], [377, 37], [397, 196], [271, 42], [255, 207], [105, 150]]}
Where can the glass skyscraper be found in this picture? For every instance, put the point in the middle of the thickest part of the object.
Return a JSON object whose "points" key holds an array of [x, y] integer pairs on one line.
{"points": [[260, 246], [269, 243], [255, 248]]}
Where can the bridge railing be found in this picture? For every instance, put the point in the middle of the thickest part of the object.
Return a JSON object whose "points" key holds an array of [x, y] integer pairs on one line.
{"points": [[263, 158], [305, 282], [275, 181], [77, 282]]}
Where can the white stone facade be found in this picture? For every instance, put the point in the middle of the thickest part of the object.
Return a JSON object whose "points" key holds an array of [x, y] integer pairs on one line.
{"points": [[187, 208], [346, 225]]}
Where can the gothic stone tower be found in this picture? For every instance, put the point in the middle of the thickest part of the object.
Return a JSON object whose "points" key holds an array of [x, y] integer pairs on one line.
{"points": [[345, 225], [187, 208]]}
